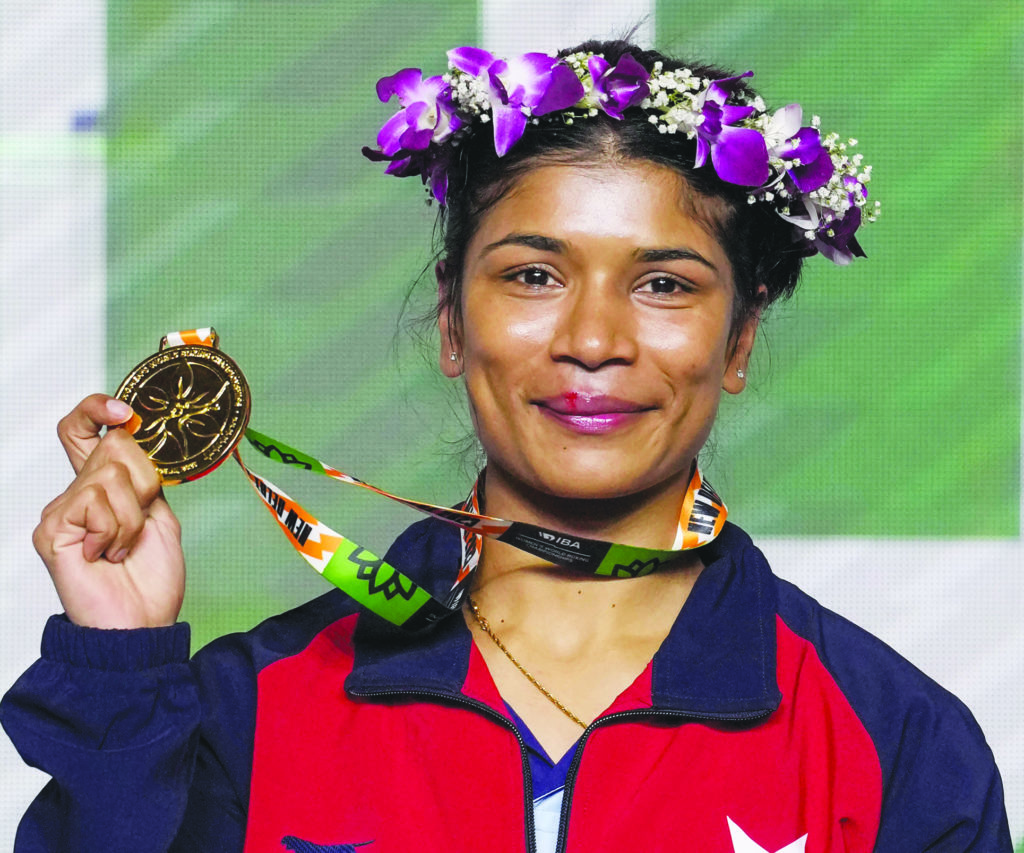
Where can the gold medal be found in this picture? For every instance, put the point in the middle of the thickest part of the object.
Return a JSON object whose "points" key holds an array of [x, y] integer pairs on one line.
{"points": [[192, 407]]}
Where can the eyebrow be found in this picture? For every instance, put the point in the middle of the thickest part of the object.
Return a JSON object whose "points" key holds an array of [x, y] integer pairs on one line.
{"points": [[531, 241], [653, 256], [550, 244]]}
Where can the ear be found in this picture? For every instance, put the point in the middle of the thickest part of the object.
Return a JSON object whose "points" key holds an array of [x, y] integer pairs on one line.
{"points": [[738, 364], [447, 326]]}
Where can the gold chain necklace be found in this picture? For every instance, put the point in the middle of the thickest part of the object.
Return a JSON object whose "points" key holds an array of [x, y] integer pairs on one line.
{"points": [[486, 628]]}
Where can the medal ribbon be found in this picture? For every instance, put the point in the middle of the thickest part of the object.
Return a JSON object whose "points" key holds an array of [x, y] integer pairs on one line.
{"points": [[389, 593]]}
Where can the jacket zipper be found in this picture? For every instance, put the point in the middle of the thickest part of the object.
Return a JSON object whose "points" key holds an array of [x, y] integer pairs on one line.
{"points": [[487, 710], [570, 776]]}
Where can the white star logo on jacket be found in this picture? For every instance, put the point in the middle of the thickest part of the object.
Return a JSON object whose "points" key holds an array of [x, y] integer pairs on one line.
{"points": [[743, 843]]}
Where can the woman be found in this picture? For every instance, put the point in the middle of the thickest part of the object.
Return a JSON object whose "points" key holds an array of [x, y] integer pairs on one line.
{"points": [[609, 249]]}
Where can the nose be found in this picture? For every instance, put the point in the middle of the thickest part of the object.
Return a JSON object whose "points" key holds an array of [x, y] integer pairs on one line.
{"points": [[594, 328]]}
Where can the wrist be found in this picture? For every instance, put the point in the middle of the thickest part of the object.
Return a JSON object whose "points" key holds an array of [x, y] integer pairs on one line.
{"points": [[115, 649]]}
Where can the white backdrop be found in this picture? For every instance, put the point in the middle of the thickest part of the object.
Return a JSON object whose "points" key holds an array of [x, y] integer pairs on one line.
{"points": [[52, 189]]}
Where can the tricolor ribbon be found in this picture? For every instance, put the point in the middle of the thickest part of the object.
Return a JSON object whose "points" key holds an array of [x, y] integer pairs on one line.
{"points": [[397, 598]]}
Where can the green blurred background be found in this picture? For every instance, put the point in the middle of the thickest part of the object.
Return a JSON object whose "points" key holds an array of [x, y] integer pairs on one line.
{"points": [[884, 400]]}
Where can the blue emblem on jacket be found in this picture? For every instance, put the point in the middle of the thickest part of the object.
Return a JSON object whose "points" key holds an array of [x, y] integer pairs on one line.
{"points": [[300, 846]]}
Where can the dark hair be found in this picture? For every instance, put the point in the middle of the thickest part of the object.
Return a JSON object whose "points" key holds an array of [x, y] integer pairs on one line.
{"points": [[759, 244]]}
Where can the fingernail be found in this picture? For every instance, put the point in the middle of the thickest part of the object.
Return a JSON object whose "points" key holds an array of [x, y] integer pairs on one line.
{"points": [[119, 409], [118, 556]]}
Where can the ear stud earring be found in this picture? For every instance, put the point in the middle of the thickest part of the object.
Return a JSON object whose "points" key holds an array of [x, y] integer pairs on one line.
{"points": [[740, 373], [452, 356]]}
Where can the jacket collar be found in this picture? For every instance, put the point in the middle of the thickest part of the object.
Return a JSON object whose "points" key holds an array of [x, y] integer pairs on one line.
{"points": [[719, 657], [717, 661]]}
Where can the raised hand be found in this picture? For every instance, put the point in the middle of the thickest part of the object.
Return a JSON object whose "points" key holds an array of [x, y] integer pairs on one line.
{"points": [[110, 541]]}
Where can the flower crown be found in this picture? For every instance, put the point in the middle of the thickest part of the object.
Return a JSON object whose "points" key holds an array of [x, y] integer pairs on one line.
{"points": [[810, 180]]}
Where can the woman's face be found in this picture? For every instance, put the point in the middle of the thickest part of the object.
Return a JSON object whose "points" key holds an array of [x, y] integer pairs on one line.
{"points": [[596, 331]]}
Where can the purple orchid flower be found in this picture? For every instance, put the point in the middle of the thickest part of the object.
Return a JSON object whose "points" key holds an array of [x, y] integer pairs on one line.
{"points": [[815, 221], [815, 169], [841, 245], [533, 83], [431, 165], [435, 175], [427, 114], [739, 155], [787, 140], [432, 168], [619, 88]]}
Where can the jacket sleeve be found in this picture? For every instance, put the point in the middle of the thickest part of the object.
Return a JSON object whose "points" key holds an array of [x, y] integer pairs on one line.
{"points": [[115, 718], [941, 790], [944, 792]]}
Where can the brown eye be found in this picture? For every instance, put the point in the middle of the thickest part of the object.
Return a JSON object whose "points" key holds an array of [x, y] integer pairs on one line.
{"points": [[664, 285], [534, 277]]}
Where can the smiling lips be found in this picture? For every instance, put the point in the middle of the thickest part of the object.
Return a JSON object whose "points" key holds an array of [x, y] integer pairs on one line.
{"points": [[590, 414]]}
